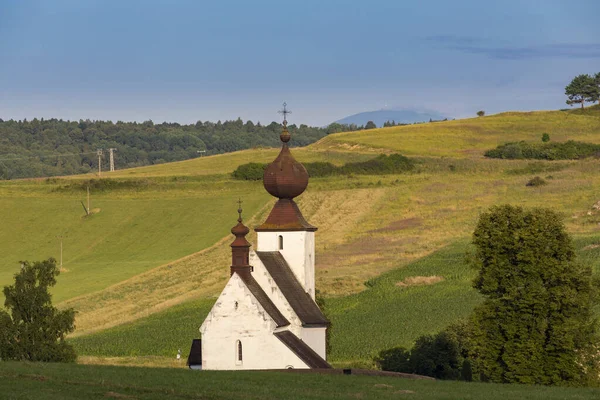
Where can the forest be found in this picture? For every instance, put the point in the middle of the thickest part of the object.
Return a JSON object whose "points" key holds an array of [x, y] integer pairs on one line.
{"points": [[52, 147]]}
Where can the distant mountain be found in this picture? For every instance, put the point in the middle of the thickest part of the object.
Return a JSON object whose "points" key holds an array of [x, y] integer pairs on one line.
{"points": [[381, 116]]}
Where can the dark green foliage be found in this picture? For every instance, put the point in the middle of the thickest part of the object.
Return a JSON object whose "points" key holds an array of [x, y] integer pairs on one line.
{"points": [[570, 150], [32, 329], [370, 125], [466, 373], [380, 165], [545, 137], [249, 172], [480, 113], [56, 147], [536, 321], [536, 181], [583, 88], [439, 356], [396, 359]]}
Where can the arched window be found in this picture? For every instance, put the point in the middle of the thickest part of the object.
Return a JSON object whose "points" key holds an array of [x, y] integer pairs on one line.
{"points": [[239, 357], [280, 242]]}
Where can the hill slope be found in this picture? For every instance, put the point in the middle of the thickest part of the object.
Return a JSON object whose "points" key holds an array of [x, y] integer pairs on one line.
{"points": [[170, 223], [382, 116]]}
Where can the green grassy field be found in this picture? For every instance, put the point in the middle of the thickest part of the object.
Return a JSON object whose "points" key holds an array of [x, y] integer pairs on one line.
{"points": [[53, 382], [156, 254]]}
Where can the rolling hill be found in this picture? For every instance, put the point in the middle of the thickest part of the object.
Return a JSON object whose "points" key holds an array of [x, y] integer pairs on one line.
{"points": [[380, 117], [390, 248]]}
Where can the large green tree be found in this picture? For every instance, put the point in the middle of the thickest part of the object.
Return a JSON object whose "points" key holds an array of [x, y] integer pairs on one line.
{"points": [[33, 329], [535, 325], [582, 89]]}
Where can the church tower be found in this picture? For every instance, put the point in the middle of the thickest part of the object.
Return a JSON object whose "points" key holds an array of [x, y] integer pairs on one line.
{"points": [[285, 229], [266, 317]]}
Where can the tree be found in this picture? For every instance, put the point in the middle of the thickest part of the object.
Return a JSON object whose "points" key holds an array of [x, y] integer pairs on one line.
{"points": [[582, 89], [480, 113], [535, 324], [545, 137], [370, 125], [597, 84], [33, 329]]}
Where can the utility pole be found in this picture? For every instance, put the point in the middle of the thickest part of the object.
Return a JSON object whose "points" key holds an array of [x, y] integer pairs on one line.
{"points": [[87, 211], [99, 154], [112, 158]]}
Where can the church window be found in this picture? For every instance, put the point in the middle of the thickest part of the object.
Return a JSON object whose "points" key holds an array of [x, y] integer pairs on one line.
{"points": [[239, 352], [280, 242]]}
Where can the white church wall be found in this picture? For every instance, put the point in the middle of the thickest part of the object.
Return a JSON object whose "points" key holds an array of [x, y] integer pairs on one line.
{"points": [[316, 339], [298, 250], [266, 282], [237, 316]]}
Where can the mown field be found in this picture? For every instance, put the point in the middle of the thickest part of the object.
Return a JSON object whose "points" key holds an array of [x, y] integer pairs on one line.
{"points": [[390, 249], [51, 381]]}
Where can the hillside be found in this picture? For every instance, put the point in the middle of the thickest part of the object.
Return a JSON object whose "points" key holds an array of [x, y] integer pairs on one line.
{"points": [[380, 117], [155, 255]]}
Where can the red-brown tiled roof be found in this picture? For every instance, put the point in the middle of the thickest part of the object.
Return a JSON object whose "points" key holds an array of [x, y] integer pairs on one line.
{"points": [[304, 306], [302, 350], [285, 216]]}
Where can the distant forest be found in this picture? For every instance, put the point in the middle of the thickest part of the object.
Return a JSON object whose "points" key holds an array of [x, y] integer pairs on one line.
{"points": [[53, 147]]}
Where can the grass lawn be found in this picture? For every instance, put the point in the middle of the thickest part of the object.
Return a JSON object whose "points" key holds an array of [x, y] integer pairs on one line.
{"points": [[55, 381]]}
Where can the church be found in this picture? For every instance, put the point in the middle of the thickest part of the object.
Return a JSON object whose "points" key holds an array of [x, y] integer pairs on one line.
{"points": [[266, 317]]}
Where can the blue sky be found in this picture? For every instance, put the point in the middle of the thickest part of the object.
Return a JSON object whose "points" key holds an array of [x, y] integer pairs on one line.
{"points": [[185, 61]]}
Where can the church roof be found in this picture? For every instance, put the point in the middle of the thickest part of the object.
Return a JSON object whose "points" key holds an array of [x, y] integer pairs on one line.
{"points": [[285, 216], [302, 350], [264, 300], [303, 305]]}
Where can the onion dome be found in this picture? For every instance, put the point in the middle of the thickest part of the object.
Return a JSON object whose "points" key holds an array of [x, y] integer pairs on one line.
{"points": [[240, 231], [240, 248], [285, 178]]}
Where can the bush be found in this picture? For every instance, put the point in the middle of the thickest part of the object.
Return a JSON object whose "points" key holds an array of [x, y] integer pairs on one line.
{"points": [[380, 165], [480, 113], [545, 137], [441, 356], [250, 172], [570, 150], [537, 181], [396, 359]]}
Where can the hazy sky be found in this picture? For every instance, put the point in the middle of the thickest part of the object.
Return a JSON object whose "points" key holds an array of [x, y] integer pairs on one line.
{"points": [[185, 61]]}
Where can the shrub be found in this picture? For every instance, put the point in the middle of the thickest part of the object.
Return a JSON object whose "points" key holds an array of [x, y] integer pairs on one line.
{"points": [[250, 172], [480, 113], [545, 137], [441, 356], [380, 165], [570, 150], [536, 181]]}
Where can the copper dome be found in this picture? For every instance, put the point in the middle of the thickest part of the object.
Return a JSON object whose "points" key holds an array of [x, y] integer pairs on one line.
{"points": [[285, 178]]}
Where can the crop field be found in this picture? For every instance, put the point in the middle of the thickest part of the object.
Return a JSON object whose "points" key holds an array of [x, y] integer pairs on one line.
{"points": [[390, 248], [64, 382]]}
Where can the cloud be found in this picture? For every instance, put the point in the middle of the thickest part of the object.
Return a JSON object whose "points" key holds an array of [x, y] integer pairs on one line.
{"points": [[473, 45]]}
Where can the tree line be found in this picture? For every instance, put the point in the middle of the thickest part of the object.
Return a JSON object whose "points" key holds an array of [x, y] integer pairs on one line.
{"points": [[50, 147], [583, 89]]}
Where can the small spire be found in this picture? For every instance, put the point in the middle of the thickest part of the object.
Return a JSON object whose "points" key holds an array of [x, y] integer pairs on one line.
{"points": [[239, 210], [285, 135]]}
